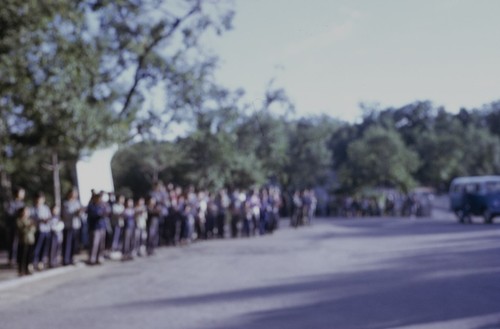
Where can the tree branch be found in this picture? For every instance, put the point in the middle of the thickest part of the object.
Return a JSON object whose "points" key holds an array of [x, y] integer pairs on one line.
{"points": [[147, 50]]}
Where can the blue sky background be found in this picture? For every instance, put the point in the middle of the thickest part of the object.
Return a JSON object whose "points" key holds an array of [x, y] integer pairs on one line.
{"points": [[330, 55]]}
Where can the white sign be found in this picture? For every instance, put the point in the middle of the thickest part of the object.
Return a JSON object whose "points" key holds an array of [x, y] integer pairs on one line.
{"points": [[94, 173]]}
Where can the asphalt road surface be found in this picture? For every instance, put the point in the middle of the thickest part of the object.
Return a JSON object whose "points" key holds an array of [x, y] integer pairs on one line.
{"points": [[338, 273]]}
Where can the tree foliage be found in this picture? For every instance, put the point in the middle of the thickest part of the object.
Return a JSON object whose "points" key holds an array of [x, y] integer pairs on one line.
{"points": [[77, 75], [74, 75], [379, 158], [417, 144]]}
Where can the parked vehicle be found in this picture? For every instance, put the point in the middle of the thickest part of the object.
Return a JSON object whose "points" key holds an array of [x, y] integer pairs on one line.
{"points": [[475, 196]]}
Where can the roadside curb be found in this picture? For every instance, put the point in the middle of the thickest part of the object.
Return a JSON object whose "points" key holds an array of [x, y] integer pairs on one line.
{"points": [[16, 282]]}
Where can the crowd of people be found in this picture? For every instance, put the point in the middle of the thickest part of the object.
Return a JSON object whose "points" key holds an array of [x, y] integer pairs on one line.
{"points": [[384, 204], [44, 237], [114, 226]]}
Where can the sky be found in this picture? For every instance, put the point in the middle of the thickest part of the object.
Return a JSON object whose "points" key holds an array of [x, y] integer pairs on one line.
{"points": [[332, 55]]}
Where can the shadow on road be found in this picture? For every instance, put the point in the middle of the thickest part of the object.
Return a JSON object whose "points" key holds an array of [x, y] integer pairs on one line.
{"points": [[417, 290]]}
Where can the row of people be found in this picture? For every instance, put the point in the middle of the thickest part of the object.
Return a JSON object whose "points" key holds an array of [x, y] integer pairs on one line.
{"points": [[200, 214], [45, 237], [395, 204], [36, 234]]}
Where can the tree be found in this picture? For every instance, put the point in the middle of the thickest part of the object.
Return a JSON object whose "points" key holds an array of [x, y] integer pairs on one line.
{"points": [[52, 94], [215, 156], [379, 158], [265, 136], [481, 152], [137, 167], [74, 75], [492, 117], [148, 44], [441, 152], [309, 158]]}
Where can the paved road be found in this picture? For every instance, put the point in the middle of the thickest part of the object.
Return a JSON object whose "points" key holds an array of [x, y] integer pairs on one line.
{"points": [[363, 274]]}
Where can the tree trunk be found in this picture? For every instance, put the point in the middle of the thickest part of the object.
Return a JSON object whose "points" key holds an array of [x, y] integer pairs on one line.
{"points": [[56, 179], [5, 188]]}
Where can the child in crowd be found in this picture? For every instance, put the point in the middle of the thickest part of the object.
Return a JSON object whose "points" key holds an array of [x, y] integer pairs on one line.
{"points": [[26, 228], [56, 239]]}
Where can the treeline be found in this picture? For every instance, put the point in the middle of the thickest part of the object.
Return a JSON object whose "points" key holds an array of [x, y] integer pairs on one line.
{"points": [[401, 148], [417, 144], [79, 75], [238, 151]]}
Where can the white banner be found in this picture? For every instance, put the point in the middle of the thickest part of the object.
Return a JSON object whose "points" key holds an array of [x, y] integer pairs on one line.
{"points": [[94, 173]]}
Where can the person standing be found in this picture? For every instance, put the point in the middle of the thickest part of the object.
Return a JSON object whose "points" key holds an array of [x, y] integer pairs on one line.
{"points": [[41, 215], [56, 237], [141, 217], [71, 217], [12, 213], [129, 229], [275, 200], [297, 211], [236, 208], [26, 228], [96, 214], [309, 202], [210, 217], [265, 211], [153, 219], [254, 204], [117, 222], [162, 200], [222, 203]]}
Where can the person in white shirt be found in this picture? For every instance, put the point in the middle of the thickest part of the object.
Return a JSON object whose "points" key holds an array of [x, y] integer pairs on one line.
{"points": [[71, 216], [41, 216]]}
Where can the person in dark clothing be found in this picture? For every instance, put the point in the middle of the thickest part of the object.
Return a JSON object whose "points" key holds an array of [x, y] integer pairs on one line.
{"points": [[12, 213], [222, 203], [153, 219], [129, 229], [237, 213], [96, 215], [212, 217]]}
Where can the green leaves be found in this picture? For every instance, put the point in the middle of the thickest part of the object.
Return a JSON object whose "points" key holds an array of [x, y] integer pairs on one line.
{"points": [[379, 158], [417, 143]]}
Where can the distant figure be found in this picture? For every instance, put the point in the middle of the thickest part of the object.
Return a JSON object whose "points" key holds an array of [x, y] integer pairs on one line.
{"points": [[309, 203]]}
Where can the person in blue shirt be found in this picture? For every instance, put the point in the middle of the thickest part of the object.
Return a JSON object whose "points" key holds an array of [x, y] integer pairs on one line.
{"points": [[129, 229], [96, 218]]}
